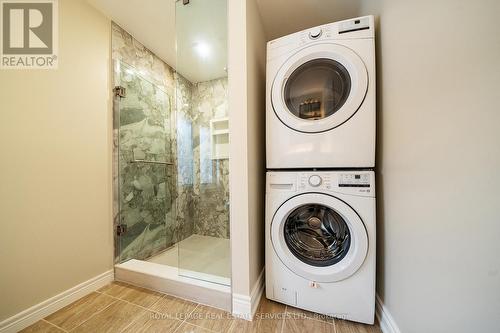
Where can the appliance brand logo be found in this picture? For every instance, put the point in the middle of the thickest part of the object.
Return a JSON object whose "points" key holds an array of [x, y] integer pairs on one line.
{"points": [[29, 34]]}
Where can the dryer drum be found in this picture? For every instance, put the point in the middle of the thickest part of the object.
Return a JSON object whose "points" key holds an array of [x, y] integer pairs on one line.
{"points": [[317, 235], [317, 89]]}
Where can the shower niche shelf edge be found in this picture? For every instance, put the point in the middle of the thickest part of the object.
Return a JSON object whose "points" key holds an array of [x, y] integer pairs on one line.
{"points": [[219, 138]]}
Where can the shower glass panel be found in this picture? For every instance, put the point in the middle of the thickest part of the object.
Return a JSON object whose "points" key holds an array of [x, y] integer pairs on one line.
{"points": [[203, 139], [146, 174]]}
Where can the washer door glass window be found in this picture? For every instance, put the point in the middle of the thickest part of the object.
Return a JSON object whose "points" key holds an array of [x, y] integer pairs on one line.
{"points": [[317, 89], [317, 235]]}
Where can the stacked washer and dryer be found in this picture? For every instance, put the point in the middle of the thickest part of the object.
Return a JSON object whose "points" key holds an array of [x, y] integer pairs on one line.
{"points": [[320, 184]]}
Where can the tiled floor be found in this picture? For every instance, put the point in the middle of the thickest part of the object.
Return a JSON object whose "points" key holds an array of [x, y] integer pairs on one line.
{"points": [[120, 307]]}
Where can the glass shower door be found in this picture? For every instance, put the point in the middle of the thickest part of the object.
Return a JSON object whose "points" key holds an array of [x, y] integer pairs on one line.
{"points": [[203, 138], [146, 181]]}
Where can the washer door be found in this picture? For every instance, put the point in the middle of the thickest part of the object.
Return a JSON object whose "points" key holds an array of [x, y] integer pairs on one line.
{"points": [[319, 237], [319, 88]]}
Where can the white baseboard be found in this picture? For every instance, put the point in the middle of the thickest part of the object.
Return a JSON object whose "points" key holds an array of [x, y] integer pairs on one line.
{"points": [[245, 306], [258, 291], [41, 310], [387, 323]]}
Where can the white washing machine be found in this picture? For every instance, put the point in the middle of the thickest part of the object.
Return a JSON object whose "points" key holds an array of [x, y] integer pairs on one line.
{"points": [[320, 242], [320, 97]]}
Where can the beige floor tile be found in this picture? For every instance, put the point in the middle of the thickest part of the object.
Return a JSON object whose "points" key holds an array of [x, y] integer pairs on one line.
{"points": [[269, 316], [114, 318], [256, 326], [188, 328], [270, 325], [345, 326], [153, 322], [140, 296], [174, 307], [296, 313], [244, 326], [76, 313], [41, 327], [307, 325], [210, 318], [107, 287], [268, 306]]}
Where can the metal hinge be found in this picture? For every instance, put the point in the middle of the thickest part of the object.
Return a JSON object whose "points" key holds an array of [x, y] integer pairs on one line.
{"points": [[121, 229], [120, 91]]}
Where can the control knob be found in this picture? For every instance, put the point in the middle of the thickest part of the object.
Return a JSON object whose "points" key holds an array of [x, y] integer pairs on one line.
{"points": [[315, 180], [315, 33]]}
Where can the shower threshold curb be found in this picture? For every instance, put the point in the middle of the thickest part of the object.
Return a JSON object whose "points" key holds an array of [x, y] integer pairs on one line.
{"points": [[166, 279]]}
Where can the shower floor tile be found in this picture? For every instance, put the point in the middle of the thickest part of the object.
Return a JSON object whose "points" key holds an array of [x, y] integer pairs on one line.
{"points": [[197, 254]]}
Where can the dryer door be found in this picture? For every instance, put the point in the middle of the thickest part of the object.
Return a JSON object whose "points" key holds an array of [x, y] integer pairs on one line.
{"points": [[319, 88], [319, 237]]}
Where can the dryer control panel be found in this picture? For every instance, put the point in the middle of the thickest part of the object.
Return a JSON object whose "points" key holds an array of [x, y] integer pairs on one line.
{"points": [[361, 27]]}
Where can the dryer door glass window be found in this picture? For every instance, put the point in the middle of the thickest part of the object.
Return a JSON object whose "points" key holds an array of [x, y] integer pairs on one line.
{"points": [[317, 89], [317, 235]]}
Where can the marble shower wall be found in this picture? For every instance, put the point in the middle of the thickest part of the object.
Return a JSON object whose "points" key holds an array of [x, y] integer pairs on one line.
{"points": [[164, 118], [211, 178]]}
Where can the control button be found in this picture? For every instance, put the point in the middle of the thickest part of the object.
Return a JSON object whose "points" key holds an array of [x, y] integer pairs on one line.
{"points": [[315, 33], [313, 284], [315, 180]]}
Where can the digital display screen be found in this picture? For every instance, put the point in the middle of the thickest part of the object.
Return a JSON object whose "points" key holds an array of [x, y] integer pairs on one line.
{"points": [[357, 176]]}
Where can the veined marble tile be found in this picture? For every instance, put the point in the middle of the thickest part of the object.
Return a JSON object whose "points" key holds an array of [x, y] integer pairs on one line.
{"points": [[210, 176]]}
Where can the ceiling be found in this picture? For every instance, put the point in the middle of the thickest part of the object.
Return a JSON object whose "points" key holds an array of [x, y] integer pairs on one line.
{"points": [[202, 27], [282, 17]]}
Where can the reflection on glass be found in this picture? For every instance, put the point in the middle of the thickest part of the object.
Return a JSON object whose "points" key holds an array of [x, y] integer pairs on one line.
{"points": [[206, 165], [184, 147], [317, 89]]}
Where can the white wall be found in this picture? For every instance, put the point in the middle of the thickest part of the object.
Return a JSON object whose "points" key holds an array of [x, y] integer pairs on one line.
{"points": [[256, 86], [247, 160], [55, 143], [438, 158], [238, 166], [438, 163]]}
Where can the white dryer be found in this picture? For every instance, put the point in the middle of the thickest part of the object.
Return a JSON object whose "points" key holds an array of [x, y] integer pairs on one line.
{"points": [[320, 242], [320, 97]]}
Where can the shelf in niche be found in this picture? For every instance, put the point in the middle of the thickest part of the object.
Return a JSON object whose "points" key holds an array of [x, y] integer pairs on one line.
{"points": [[220, 132], [219, 138]]}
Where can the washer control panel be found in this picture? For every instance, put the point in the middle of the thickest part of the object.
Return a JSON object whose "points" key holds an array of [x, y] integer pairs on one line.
{"points": [[354, 180], [315, 181], [349, 182]]}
